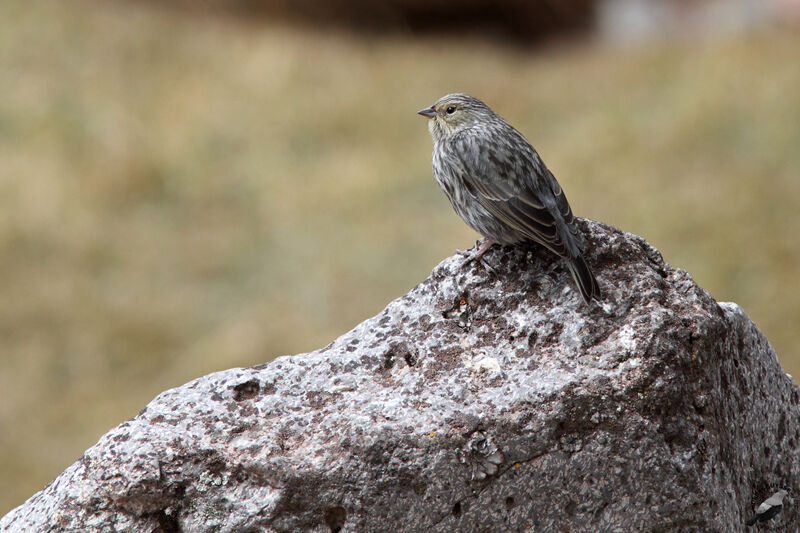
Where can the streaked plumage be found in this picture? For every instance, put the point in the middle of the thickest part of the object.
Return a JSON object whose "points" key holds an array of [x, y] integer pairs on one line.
{"points": [[499, 185]]}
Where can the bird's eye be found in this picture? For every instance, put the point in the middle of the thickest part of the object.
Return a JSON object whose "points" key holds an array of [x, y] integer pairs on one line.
{"points": [[450, 109]]}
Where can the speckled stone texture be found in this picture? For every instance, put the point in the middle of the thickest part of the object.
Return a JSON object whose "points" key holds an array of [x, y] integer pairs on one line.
{"points": [[490, 398]]}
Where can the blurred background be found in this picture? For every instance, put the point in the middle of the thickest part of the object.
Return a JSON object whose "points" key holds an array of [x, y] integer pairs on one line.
{"points": [[188, 186]]}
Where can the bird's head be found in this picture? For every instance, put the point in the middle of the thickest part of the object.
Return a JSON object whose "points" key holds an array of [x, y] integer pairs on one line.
{"points": [[454, 113]]}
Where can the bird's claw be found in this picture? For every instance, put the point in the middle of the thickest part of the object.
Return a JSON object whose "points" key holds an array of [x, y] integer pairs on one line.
{"points": [[476, 253], [489, 268]]}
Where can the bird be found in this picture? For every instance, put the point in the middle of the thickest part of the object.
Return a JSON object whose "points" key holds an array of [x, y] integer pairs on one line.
{"points": [[498, 184], [768, 508]]}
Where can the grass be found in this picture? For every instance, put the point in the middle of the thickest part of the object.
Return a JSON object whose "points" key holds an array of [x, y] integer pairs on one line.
{"points": [[180, 195]]}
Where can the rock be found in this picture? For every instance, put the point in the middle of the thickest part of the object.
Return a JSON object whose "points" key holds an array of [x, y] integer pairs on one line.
{"points": [[487, 399]]}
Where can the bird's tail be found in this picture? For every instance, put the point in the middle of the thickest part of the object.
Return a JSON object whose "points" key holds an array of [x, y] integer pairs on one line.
{"points": [[584, 279], [752, 521]]}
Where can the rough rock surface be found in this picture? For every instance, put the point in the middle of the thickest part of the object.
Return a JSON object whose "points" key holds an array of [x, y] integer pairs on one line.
{"points": [[487, 399]]}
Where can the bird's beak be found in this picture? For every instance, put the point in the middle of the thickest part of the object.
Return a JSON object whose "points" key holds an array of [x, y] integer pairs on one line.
{"points": [[428, 112]]}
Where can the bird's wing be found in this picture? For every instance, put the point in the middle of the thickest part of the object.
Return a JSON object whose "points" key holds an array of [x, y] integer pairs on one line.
{"points": [[775, 499], [514, 185], [764, 507]]}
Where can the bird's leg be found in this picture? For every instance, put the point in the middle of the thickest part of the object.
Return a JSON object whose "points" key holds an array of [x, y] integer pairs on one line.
{"points": [[478, 254], [482, 250]]}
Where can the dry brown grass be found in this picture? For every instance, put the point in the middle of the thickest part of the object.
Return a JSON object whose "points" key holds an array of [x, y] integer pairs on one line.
{"points": [[180, 195]]}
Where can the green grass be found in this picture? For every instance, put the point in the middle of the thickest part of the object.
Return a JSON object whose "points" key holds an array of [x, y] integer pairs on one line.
{"points": [[180, 195]]}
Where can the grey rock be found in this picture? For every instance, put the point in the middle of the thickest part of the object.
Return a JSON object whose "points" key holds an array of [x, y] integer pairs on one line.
{"points": [[487, 399]]}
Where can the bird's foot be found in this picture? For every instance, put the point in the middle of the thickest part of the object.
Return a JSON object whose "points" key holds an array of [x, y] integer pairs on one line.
{"points": [[471, 254], [474, 254]]}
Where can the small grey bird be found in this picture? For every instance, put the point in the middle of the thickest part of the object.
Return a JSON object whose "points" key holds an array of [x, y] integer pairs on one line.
{"points": [[499, 185], [768, 508]]}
